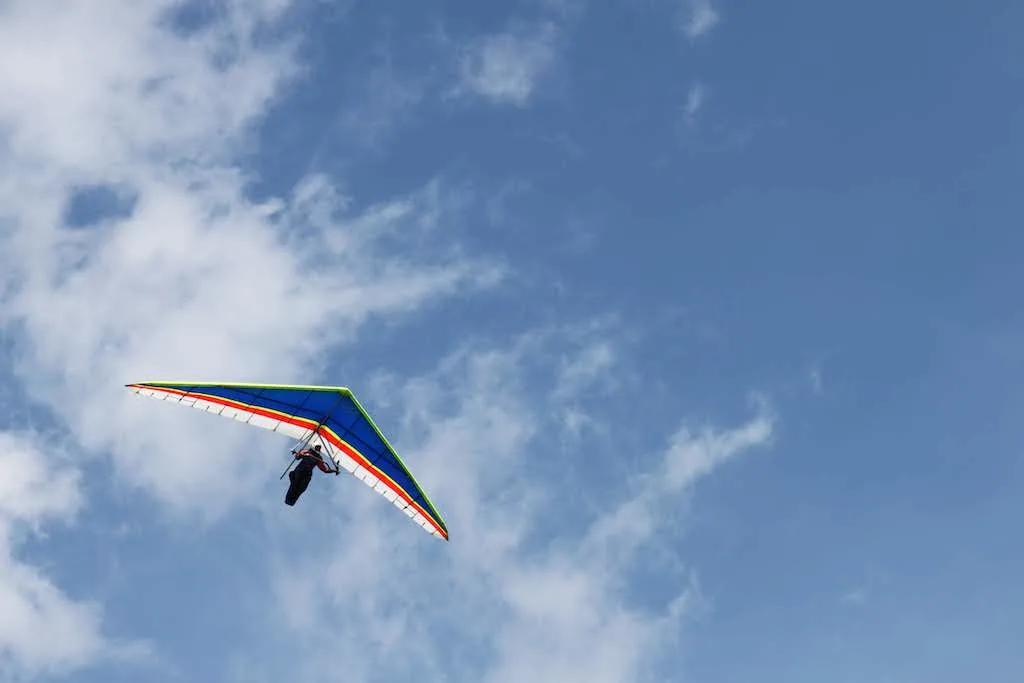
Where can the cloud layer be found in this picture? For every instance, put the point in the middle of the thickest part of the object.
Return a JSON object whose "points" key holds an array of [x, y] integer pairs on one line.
{"points": [[198, 280], [537, 580], [195, 278], [42, 630]]}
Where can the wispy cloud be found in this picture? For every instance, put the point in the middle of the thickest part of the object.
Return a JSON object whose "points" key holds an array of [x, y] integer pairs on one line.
{"points": [[504, 608], [505, 68], [592, 365], [383, 98], [196, 280], [694, 101], [700, 18], [865, 591], [814, 375], [855, 597], [816, 371], [42, 631]]}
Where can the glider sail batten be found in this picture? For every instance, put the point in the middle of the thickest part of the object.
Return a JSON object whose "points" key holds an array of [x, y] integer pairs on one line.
{"points": [[352, 439]]}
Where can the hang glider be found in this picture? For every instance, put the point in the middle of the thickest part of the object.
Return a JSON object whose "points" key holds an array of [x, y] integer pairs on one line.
{"points": [[331, 414]]}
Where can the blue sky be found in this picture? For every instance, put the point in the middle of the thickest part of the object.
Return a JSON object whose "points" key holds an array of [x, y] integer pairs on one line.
{"points": [[695, 319]]}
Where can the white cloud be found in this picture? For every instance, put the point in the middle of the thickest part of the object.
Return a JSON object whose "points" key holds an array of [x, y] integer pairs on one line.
{"points": [[201, 282], [814, 375], [493, 603], [593, 364], [144, 90], [694, 101], [695, 455], [383, 99], [857, 597], [34, 486], [506, 67], [701, 18], [197, 282], [865, 591], [42, 630], [816, 372]]}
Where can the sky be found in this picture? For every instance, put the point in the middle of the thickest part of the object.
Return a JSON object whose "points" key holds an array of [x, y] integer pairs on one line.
{"points": [[697, 320]]}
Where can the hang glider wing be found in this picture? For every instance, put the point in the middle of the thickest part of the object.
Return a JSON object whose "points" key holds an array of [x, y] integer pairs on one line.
{"points": [[348, 433]]}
